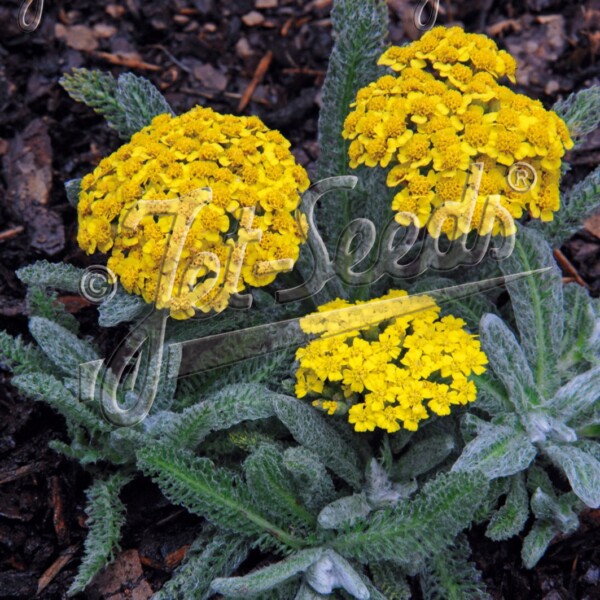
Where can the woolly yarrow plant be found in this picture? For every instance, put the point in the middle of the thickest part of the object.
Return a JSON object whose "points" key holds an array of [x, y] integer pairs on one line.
{"points": [[403, 419]]}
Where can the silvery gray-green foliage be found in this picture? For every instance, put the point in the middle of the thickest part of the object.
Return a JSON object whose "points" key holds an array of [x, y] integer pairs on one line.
{"points": [[105, 517], [121, 308], [452, 576], [212, 555], [271, 486], [577, 204], [509, 520], [269, 577], [279, 497], [128, 103], [391, 580], [581, 113], [550, 376], [314, 484], [360, 31], [48, 372], [73, 189], [260, 500], [60, 276]]}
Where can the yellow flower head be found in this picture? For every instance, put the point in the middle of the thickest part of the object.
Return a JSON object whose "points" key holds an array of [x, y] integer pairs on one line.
{"points": [[194, 249], [387, 363], [444, 111]]}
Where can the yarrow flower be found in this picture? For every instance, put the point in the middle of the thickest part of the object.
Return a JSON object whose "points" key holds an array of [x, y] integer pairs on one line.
{"points": [[255, 184], [444, 111], [388, 362]]}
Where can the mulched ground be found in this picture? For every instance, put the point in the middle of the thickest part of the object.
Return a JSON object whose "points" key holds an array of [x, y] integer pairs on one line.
{"points": [[265, 57]]}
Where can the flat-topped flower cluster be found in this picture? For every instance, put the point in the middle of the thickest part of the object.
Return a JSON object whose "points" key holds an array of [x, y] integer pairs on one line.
{"points": [[255, 184], [444, 110], [387, 362]]}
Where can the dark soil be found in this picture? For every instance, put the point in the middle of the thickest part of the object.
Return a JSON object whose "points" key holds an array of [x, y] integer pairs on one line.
{"points": [[206, 52]]}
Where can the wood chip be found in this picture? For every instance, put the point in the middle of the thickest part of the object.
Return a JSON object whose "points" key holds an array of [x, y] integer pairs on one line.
{"points": [[80, 37], [8, 235], [253, 19], [115, 11], [123, 579], [568, 268], [55, 568], [210, 77], [131, 60], [58, 516], [14, 474], [28, 174], [287, 26], [263, 4], [593, 225], [104, 30], [261, 70], [243, 48]]}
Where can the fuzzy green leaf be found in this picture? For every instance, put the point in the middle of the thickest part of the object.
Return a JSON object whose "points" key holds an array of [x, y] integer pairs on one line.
{"points": [[510, 519], [578, 203], [581, 340], [582, 471], [419, 528], [451, 576], [106, 515], [212, 554], [232, 405], [331, 571], [310, 476], [86, 455], [536, 543], [344, 511], [45, 388], [121, 308], [423, 456], [537, 303], [61, 346], [581, 112], [390, 581], [73, 189], [128, 104], [216, 494], [381, 490], [268, 577], [141, 101], [42, 303], [360, 30], [60, 276], [97, 90], [19, 357], [497, 451], [508, 363], [310, 429], [577, 396], [271, 487], [558, 511]]}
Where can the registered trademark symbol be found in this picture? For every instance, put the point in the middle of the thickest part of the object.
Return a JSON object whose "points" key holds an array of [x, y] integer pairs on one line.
{"points": [[522, 177]]}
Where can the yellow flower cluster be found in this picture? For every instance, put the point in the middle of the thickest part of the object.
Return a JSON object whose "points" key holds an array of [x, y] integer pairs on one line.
{"points": [[255, 184], [444, 111], [381, 361]]}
